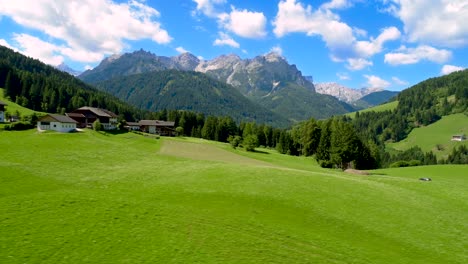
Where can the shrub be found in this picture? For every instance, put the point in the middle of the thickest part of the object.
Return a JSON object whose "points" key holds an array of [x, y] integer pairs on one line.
{"points": [[235, 141], [19, 126], [180, 131], [250, 142], [97, 126], [398, 164]]}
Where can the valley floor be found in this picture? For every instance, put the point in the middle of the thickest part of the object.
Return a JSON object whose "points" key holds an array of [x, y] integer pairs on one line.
{"points": [[93, 197]]}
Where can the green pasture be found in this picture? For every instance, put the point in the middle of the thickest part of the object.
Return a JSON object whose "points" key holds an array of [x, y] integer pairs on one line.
{"points": [[378, 108], [92, 197], [436, 137], [12, 107]]}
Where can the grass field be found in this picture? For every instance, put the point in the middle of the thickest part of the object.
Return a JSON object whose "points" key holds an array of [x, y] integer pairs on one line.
{"points": [[99, 198], [438, 133], [13, 107], [378, 108]]}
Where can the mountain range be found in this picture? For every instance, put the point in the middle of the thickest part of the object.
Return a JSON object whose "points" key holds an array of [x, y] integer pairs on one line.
{"points": [[267, 80]]}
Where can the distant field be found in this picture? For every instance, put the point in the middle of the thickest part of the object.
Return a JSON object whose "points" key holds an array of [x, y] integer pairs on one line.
{"points": [[378, 108], [100, 198], [438, 133]]}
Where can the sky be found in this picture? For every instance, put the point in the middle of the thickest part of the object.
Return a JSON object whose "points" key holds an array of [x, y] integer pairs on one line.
{"points": [[390, 44]]}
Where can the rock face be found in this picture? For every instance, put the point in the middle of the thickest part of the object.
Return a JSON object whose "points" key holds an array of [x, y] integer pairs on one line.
{"points": [[344, 93], [266, 79]]}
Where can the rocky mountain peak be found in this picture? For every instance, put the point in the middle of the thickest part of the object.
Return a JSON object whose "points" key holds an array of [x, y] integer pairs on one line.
{"points": [[186, 61]]}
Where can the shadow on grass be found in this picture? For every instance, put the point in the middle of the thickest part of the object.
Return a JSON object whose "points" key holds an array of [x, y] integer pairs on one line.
{"points": [[260, 151]]}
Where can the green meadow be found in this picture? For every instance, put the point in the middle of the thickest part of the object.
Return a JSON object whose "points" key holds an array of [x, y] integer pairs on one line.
{"points": [[12, 107], [92, 197], [379, 108], [436, 137]]}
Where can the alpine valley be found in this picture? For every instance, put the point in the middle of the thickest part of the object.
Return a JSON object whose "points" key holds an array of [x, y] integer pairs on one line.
{"points": [[264, 82]]}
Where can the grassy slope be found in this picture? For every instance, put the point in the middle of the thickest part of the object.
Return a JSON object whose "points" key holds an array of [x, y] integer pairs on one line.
{"points": [[378, 108], [439, 132], [13, 107], [118, 199]]}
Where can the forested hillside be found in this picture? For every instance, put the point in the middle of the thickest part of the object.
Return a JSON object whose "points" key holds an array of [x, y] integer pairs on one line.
{"points": [[37, 86], [179, 90], [420, 105]]}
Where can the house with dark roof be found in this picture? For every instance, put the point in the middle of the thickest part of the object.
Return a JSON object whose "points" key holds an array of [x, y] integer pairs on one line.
{"points": [[85, 116], [461, 137], [59, 123], [2, 111], [163, 128]]}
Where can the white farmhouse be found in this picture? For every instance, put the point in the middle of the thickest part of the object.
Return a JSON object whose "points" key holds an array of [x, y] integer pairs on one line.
{"points": [[59, 123]]}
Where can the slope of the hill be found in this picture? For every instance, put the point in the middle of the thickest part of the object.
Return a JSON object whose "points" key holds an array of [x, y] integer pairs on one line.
{"points": [[40, 87], [419, 105], [129, 199], [436, 137], [177, 90], [260, 79], [375, 98]]}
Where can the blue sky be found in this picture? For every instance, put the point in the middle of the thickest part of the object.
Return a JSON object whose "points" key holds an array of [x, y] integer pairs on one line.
{"points": [[390, 44]]}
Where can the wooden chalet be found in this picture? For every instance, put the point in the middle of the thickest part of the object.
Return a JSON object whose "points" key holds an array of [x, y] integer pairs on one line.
{"points": [[2, 111], [163, 128], [85, 116], [59, 123]]}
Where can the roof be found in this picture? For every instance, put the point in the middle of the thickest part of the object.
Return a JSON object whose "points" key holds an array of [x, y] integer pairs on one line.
{"points": [[133, 124], [2, 103], [59, 118], [75, 115], [156, 123], [98, 111]]}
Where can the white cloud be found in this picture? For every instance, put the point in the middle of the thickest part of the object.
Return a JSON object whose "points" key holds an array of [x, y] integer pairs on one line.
{"points": [[356, 64], [376, 82], [293, 17], [6, 44], [277, 50], [398, 81], [200, 58], [447, 69], [374, 46], [208, 7], [436, 22], [244, 23], [343, 76], [181, 50], [406, 55], [89, 29], [88, 67], [38, 49], [337, 4], [225, 40]]}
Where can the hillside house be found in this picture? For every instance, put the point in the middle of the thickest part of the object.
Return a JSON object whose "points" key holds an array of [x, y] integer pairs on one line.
{"points": [[163, 128], [59, 123], [85, 116], [2, 111], [459, 137]]}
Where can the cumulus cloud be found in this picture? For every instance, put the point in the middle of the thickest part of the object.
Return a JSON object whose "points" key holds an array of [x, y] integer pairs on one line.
{"points": [[34, 47], [89, 29], [436, 22], [358, 64], [244, 23], [406, 55], [337, 4], [376, 82], [294, 17], [374, 46], [225, 40], [398, 81], [181, 50], [277, 50], [447, 69], [340, 38], [208, 7]]}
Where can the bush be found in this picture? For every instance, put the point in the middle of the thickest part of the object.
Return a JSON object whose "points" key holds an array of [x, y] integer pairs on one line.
{"points": [[326, 164], [97, 126], [250, 142], [399, 164], [235, 141], [415, 163], [180, 131], [19, 126]]}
